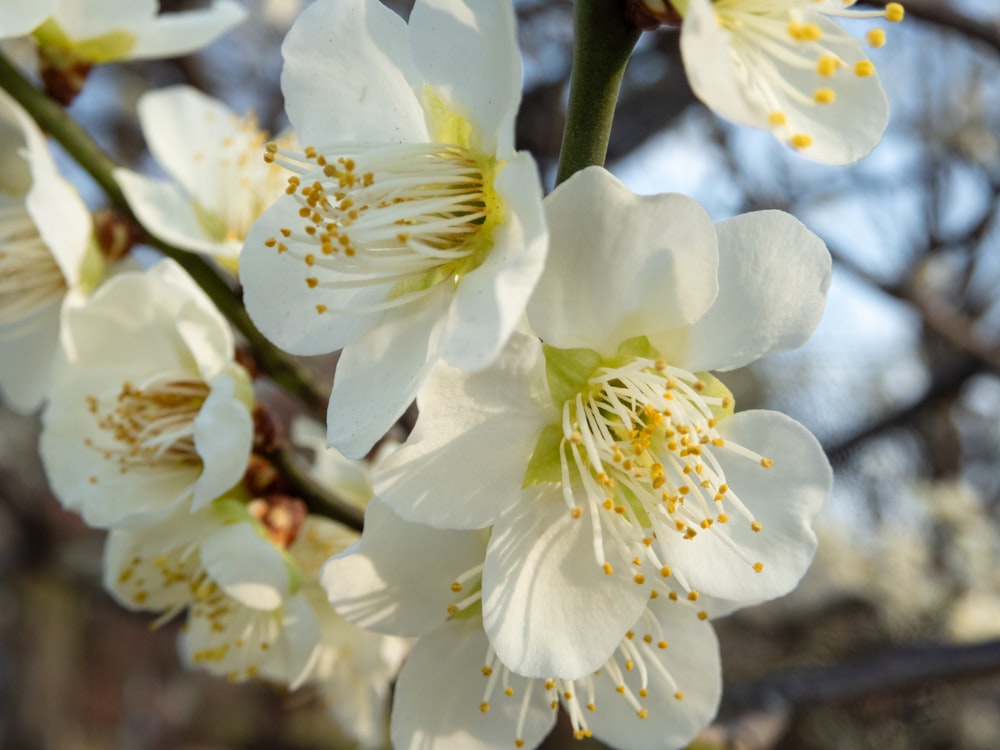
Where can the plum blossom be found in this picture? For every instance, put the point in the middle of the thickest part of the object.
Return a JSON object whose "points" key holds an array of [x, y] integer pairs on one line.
{"points": [[46, 260], [608, 460], [659, 686], [219, 184], [789, 67], [150, 412], [411, 231]]}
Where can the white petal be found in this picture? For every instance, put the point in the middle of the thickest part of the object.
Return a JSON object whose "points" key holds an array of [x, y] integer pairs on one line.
{"points": [[293, 654], [19, 17], [491, 301], [26, 357], [378, 376], [167, 212], [83, 20], [176, 34], [692, 662], [398, 578], [439, 691], [712, 72], [246, 566], [478, 72], [548, 607], [349, 76], [223, 437], [784, 499], [621, 265], [473, 441], [773, 278], [281, 304]]}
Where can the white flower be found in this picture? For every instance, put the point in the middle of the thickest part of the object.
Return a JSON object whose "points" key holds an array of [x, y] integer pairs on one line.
{"points": [[656, 689], [787, 66], [246, 616], [412, 230], [44, 261], [220, 184], [102, 31], [353, 668], [608, 462], [151, 411]]}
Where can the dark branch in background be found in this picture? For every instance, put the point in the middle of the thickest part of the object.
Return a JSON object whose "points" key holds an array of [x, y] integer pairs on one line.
{"points": [[761, 710]]}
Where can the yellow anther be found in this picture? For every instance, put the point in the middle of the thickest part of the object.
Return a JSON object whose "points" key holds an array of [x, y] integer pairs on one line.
{"points": [[673, 596], [801, 141], [876, 37], [608, 570], [894, 12], [864, 68], [456, 587], [692, 596], [487, 671], [642, 713], [312, 282], [484, 707], [706, 522], [756, 526], [723, 518], [703, 615], [321, 309], [608, 503], [591, 707], [654, 594], [310, 259], [518, 742], [509, 692], [549, 684], [270, 242], [639, 578], [758, 567], [568, 695], [452, 609], [665, 571], [766, 463], [825, 96], [679, 695], [620, 689], [827, 65]]}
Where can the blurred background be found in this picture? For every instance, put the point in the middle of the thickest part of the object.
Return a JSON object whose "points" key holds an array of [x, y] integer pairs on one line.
{"points": [[891, 641]]}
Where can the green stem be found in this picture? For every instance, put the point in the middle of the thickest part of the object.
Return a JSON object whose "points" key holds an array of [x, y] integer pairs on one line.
{"points": [[288, 374], [602, 42], [317, 498]]}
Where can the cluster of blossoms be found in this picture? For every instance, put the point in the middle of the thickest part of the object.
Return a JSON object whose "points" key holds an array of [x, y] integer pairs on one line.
{"points": [[579, 496]]}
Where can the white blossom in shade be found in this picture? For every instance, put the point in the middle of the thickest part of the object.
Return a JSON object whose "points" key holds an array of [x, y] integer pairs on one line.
{"points": [[19, 17], [657, 687], [46, 261], [101, 31], [352, 668], [150, 411], [219, 181], [608, 461], [412, 231], [245, 614], [788, 66]]}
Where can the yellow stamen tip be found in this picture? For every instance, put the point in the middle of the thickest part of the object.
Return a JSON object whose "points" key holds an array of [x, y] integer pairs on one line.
{"points": [[894, 12], [801, 141], [825, 96], [876, 37], [864, 69]]}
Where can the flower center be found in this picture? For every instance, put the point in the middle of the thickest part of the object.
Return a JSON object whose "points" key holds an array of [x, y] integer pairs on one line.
{"points": [[30, 278], [149, 427], [640, 447], [767, 36], [403, 217]]}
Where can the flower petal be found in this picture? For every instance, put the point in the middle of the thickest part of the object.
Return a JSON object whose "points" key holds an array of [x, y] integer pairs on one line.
{"points": [[548, 607], [176, 34], [19, 17], [784, 499], [621, 265], [493, 418], [690, 664], [441, 687], [246, 566], [223, 437], [490, 301], [349, 75], [378, 584], [478, 72], [378, 376], [773, 278], [28, 352]]}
